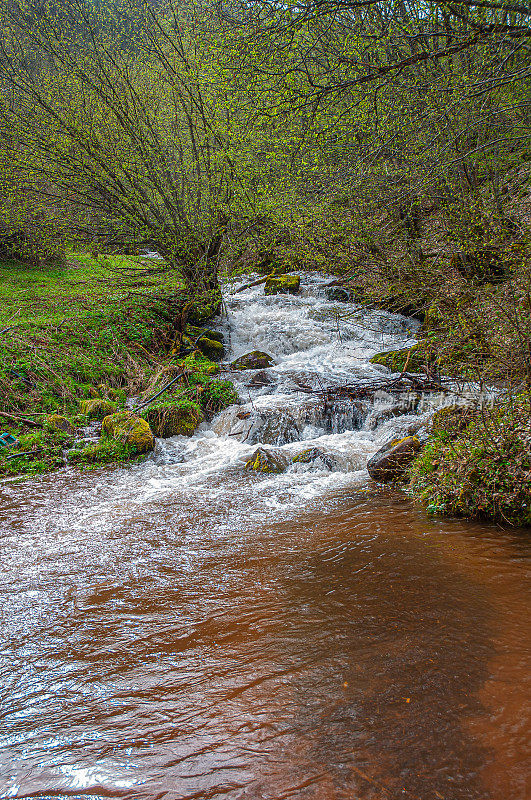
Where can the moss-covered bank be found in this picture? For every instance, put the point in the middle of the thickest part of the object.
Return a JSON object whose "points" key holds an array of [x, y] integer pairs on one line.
{"points": [[78, 340]]}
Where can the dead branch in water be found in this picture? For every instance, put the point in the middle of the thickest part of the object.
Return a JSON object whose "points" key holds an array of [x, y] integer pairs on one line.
{"points": [[406, 382]]}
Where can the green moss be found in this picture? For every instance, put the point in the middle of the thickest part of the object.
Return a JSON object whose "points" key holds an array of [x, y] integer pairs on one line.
{"points": [[97, 408], [210, 348], [104, 452], [263, 461], [130, 430], [217, 395], [283, 284], [57, 422], [33, 453], [413, 359], [169, 418]]}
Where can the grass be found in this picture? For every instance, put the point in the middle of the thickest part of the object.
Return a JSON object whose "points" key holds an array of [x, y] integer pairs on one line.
{"points": [[93, 328]]}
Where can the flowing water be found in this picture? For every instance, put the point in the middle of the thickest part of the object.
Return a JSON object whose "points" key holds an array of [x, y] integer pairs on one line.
{"points": [[184, 628]]}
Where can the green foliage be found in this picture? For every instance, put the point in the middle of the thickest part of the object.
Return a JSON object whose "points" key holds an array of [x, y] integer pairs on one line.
{"points": [[217, 395], [43, 451], [103, 452], [482, 471]]}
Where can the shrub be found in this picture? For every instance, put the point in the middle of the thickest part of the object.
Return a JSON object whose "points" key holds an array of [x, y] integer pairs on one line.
{"points": [[483, 470]]}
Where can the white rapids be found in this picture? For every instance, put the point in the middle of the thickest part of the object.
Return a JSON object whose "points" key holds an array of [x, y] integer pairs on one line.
{"points": [[315, 343]]}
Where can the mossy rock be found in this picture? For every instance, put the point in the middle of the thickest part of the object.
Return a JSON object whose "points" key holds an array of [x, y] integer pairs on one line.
{"points": [[264, 461], [173, 419], [195, 333], [312, 455], [97, 408], [396, 360], [210, 348], [256, 359], [283, 284], [131, 430], [56, 422], [391, 461]]}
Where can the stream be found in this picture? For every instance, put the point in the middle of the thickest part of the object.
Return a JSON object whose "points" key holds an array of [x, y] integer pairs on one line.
{"points": [[184, 628]]}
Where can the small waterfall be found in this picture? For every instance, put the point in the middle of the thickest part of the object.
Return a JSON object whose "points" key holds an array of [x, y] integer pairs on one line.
{"points": [[316, 344]]}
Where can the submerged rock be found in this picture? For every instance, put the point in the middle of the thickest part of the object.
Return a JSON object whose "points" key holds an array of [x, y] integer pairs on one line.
{"points": [[58, 423], [131, 430], [392, 460], [264, 461], [173, 419], [256, 359], [261, 378], [97, 408], [283, 284], [337, 294]]}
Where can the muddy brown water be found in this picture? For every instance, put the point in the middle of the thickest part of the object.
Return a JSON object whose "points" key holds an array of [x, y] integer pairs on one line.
{"points": [[357, 650], [181, 628]]}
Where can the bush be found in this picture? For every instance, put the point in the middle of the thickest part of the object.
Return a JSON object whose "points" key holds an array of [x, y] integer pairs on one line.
{"points": [[481, 471]]}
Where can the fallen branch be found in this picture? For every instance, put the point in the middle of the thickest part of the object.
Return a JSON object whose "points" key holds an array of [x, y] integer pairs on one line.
{"points": [[147, 402], [26, 421], [253, 283], [25, 453], [405, 382]]}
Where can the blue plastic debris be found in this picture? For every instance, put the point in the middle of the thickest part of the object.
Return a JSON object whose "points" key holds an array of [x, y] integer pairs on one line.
{"points": [[7, 439]]}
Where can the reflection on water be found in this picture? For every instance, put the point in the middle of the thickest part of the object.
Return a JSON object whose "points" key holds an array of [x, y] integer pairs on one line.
{"points": [[183, 629], [351, 653]]}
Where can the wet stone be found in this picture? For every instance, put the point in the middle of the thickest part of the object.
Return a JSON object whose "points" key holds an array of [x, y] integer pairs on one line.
{"points": [[313, 455], [256, 359], [392, 460], [264, 460]]}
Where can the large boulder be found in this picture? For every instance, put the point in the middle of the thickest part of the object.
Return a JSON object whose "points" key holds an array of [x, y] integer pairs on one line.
{"points": [[56, 422], [253, 360], [265, 461], [173, 419], [392, 460], [97, 408], [131, 430], [283, 284]]}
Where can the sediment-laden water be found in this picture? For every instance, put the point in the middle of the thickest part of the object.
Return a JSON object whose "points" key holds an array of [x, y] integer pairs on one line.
{"points": [[183, 628]]}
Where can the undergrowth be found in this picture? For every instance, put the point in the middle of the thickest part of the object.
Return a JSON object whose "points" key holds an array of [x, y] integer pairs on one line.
{"points": [[481, 469]]}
